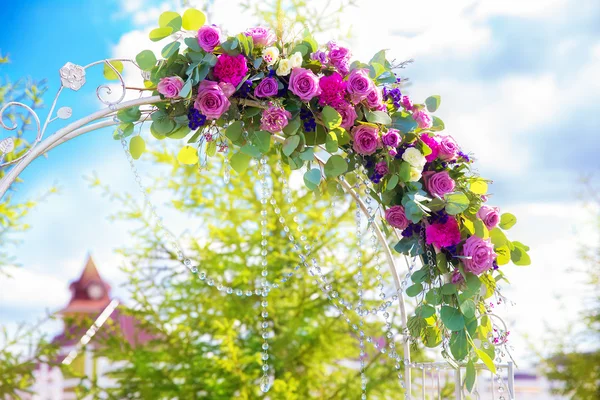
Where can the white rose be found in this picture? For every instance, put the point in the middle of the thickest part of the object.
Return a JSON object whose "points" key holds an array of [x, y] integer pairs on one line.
{"points": [[270, 55], [414, 157], [415, 174], [296, 60], [284, 68]]}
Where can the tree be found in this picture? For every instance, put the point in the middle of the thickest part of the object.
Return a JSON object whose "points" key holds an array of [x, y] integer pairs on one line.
{"points": [[576, 362], [207, 344]]}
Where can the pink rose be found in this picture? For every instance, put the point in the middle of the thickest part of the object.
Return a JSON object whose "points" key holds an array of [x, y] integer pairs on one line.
{"points": [[448, 148], [231, 69], [391, 138], [489, 215], [348, 114], [266, 88], [443, 234], [439, 183], [274, 119], [375, 99], [457, 278], [211, 100], [480, 255], [407, 103], [170, 86], [261, 36], [423, 119], [366, 139], [304, 84], [396, 217], [339, 57], [381, 168], [209, 37], [227, 88], [433, 144], [359, 84]]}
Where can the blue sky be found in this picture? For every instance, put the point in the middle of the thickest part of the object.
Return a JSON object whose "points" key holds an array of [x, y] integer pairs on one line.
{"points": [[520, 87]]}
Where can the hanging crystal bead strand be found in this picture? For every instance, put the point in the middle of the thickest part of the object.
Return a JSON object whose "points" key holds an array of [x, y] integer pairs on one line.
{"points": [[359, 306], [226, 167], [265, 384]]}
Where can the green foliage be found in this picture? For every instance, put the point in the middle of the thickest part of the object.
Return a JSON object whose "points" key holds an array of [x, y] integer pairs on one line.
{"points": [[109, 72]]}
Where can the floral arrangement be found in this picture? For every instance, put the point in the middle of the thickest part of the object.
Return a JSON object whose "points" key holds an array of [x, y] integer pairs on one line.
{"points": [[233, 93]]}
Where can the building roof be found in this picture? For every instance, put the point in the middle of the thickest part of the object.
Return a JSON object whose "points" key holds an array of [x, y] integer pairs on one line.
{"points": [[90, 293]]}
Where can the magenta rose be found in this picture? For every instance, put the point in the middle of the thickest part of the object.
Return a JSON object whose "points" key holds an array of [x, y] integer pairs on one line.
{"points": [[391, 138], [359, 84], [374, 100], [448, 148], [348, 114], [433, 144], [457, 278], [211, 100], [170, 86], [333, 90], [230, 69], [489, 215], [443, 234], [365, 139], [304, 84], [480, 255], [423, 119], [209, 37], [381, 168], [339, 57], [261, 36], [407, 103], [266, 88], [274, 119], [439, 183], [396, 217]]}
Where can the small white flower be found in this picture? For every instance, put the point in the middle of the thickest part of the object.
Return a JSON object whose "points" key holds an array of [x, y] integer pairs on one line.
{"points": [[270, 55], [414, 157], [296, 60], [415, 174], [284, 68]]}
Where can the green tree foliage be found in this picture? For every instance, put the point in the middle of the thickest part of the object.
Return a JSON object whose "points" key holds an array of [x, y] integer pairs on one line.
{"points": [[575, 365], [208, 343]]}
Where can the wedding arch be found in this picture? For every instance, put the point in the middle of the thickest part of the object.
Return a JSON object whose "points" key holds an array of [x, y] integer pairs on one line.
{"points": [[351, 131]]}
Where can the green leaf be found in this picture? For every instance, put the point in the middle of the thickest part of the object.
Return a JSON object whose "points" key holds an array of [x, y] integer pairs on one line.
{"points": [[434, 297], [170, 49], [109, 73], [414, 290], [520, 257], [498, 237], [471, 376], [404, 122], [192, 44], [378, 117], [433, 337], [308, 154], [292, 127], [335, 166], [507, 221], [438, 124], [160, 33], [468, 308], [503, 253], [163, 126], [486, 360], [187, 156], [180, 132], [290, 144], [458, 345], [419, 275], [473, 285], [234, 131], [331, 143], [312, 178], [449, 288], [186, 90], [343, 138], [404, 172], [424, 311], [409, 246], [480, 229], [392, 182], [131, 114], [262, 140], [170, 19], [137, 147], [123, 130], [240, 162], [146, 60], [456, 202], [211, 148], [331, 117], [251, 150], [193, 19], [479, 186], [441, 262], [432, 103], [452, 318]]}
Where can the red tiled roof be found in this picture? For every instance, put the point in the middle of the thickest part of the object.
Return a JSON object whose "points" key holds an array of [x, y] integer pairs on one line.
{"points": [[81, 302]]}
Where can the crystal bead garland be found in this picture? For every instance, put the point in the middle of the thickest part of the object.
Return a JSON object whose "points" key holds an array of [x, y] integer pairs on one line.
{"points": [[263, 171], [359, 305]]}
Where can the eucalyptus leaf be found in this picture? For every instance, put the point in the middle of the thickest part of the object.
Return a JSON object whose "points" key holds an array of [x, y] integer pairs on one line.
{"points": [[290, 144], [187, 155], [146, 60], [452, 318], [193, 19], [240, 162], [456, 202], [432, 103], [312, 178], [137, 145], [507, 221], [335, 166], [414, 290]]}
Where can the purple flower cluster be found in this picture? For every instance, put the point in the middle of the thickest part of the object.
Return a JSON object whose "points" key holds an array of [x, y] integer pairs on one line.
{"points": [[308, 120], [411, 229], [464, 156], [196, 119], [394, 95]]}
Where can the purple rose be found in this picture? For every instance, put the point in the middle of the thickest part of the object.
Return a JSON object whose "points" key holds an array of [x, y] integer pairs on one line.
{"points": [[407, 103], [423, 118], [266, 88], [480, 255], [230, 69], [304, 84], [448, 148], [393, 153], [489, 215], [274, 119], [261, 36], [391, 138], [381, 168], [211, 100], [209, 37], [359, 84], [396, 217], [366, 139], [339, 57], [170, 86], [348, 114], [457, 278], [319, 56], [439, 183]]}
